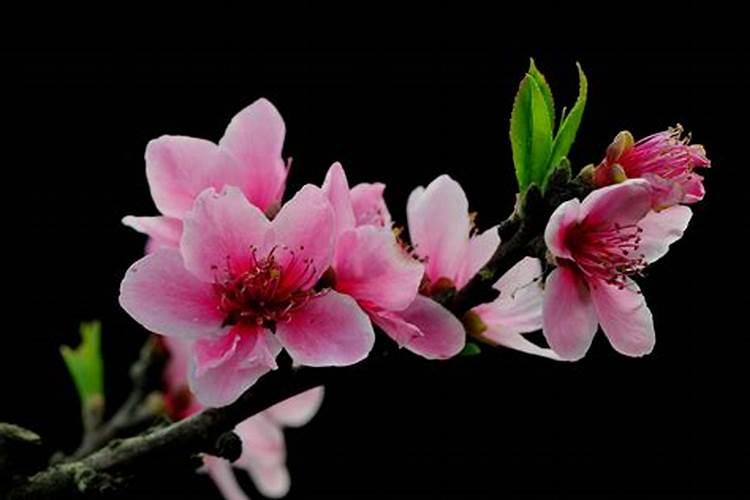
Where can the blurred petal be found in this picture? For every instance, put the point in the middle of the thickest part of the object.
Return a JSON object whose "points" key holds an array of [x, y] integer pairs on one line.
{"points": [[297, 410], [220, 471]]}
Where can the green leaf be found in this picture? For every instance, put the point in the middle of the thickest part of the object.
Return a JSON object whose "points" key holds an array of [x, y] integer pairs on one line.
{"points": [[546, 91], [566, 134], [471, 349], [85, 362], [530, 133]]}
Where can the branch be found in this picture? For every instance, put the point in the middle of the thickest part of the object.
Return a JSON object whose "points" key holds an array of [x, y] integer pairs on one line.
{"points": [[138, 410], [104, 471]]}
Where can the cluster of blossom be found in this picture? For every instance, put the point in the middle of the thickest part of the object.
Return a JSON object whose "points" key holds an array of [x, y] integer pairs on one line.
{"points": [[233, 275]]}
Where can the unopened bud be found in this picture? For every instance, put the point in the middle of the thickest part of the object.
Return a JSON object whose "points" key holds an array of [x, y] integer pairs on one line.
{"points": [[622, 142]]}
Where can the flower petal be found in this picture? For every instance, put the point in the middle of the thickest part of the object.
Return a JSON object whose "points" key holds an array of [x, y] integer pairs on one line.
{"points": [[255, 137], [262, 441], [163, 232], [479, 251], [395, 327], [369, 205], [442, 336], [514, 340], [224, 367], [336, 188], [563, 219], [624, 203], [297, 410], [264, 454], [439, 226], [518, 309], [330, 330], [625, 318], [165, 298], [661, 229], [370, 266], [694, 190], [305, 224], [178, 168], [219, 232], [220, 471], [569, 317]]}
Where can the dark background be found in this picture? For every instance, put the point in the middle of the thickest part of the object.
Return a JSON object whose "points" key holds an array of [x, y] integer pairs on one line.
{"points": [[502, 424]]}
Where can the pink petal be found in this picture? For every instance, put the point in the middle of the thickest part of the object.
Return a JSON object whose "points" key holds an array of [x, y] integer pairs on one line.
{"points": [[255, 137], [165, 298], [297, 410], [163, 232], [563, 219], [395, 327], [624, 203], [694, 190], [219, 232], [625, 318], [330, 330], [439, 226], [569, 318], [305, 224], [664, 192], [224, 367], [479, 251], [221, 473], [661, 229], [442, 336], [178, 168], [272, 481], [370, 266], [176, 370], [518, 309], [264, 454], [262, 442], [336, 188], [369, 205], [514, 340]]}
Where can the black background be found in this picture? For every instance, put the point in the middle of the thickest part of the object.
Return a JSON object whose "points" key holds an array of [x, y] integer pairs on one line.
{"points": [[499, 425]]}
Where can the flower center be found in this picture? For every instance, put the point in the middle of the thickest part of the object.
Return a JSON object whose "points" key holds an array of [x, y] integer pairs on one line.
{"points": [[609, 254], [269, 291]]}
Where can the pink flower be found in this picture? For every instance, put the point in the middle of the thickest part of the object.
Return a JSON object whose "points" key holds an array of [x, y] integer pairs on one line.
{"points": [[598, 244], [236, 278], [179, 168], [517, 310], [666, 160], [371, 266], [440, 228], [263, 448]]}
